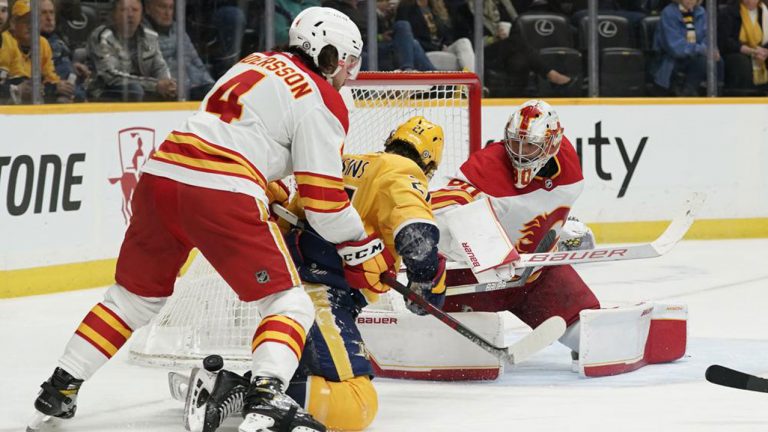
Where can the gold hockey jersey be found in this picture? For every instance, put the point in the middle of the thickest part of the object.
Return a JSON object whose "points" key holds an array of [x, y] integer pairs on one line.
{"points": [[388, 191]]}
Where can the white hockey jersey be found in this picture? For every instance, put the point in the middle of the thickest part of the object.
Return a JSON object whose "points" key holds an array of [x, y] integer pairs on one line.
{"points": [[525, 214], [268, 117]]}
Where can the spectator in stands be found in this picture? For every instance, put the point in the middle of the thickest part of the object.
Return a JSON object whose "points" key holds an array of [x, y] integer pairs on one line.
{"points": [[681, 39], [54, 88], [743, 40], [286, 11], [218, 26], [159, 17], [129, 65], [508, 66], [3, 12], [432, 28], [495, 12], [75, 73], [398, 49], [9, 58]]}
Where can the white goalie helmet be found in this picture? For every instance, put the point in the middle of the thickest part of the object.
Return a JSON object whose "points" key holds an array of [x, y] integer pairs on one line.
{"points": [[532, 137], [316, 27]]}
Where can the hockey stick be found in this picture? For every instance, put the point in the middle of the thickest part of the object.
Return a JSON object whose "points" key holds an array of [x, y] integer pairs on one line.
{"points": [[728, 377], [541, 337], [664, 243]]}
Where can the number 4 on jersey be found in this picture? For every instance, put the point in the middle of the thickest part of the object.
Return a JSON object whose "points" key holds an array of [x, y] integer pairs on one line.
{"points": [[225, 100]]}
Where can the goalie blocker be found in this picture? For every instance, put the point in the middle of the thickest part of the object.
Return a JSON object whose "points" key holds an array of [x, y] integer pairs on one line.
{"points": [[612, 341]]}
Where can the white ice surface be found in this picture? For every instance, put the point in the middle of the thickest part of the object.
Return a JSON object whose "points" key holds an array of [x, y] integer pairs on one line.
{"points": [[724, 283]]}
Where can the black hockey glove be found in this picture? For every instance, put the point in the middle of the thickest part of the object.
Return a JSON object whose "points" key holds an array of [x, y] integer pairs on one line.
{"points": [[433, 290]]}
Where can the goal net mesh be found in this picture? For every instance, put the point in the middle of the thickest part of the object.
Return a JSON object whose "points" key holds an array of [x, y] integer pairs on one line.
{"points": [[204, 316]]}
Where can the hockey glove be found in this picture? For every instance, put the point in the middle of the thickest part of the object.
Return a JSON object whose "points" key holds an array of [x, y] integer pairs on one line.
{"points": [[433, 291], [364, 262]]}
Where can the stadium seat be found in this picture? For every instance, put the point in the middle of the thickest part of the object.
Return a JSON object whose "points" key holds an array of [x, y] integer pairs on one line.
{"points": [[622, 72], [648, 32], [567, 61], [613, 32], [77, 30], [546, 30]]}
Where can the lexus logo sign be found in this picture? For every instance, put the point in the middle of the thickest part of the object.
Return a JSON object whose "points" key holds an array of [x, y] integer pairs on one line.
{"points": [[607, 29], [544, 27]]}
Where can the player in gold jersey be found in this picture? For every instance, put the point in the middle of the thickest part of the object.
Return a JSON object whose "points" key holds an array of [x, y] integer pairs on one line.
{"points": [[389, 191]]}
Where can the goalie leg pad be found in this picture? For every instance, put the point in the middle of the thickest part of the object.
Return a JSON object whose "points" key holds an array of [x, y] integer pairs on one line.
{"points": [[620, 340], [403, 345], [667, 337]]}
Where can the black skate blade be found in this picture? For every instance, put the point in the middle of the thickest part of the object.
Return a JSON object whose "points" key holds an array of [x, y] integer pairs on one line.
{"points": [[728, 377]]}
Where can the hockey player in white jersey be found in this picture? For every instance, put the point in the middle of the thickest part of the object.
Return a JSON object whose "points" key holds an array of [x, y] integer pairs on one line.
{"points": [[271, 115]]}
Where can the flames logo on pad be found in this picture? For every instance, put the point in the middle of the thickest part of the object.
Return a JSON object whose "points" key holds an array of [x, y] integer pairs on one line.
{"points": [[534, 230]]}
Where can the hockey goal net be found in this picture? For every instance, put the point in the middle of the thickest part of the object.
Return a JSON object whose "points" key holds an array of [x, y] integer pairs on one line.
{"points": [[204, 316]]}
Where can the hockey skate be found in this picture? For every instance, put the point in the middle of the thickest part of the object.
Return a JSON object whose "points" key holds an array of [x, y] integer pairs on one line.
{"points": [[58, 398], [267, 408], [212, 395]]}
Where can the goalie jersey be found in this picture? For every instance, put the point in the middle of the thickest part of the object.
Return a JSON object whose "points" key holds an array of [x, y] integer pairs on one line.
{"points": [[266, 118], [525, 214]]}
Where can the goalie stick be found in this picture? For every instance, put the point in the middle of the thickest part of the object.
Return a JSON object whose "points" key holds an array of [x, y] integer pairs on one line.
{"points": [[664, 243], [728, 377], [541, 337]]}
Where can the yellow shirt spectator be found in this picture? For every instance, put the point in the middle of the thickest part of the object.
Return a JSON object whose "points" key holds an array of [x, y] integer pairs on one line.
{"points": [[9, 53], [21, 65]]}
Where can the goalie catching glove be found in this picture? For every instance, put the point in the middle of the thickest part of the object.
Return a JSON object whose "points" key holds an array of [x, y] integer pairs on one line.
{"points": [[576, 235], [364, 262], [433, 290]]}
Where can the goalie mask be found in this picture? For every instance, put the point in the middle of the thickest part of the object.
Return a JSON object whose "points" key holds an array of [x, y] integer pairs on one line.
{"points": [[317, 27], [425, 137], [532, 136]]}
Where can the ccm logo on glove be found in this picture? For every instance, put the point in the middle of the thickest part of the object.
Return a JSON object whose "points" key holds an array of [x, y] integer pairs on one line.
{"points": [[354, 254]]}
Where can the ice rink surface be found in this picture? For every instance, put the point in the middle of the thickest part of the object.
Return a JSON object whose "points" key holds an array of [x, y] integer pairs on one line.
{"points": [[724, 283]]}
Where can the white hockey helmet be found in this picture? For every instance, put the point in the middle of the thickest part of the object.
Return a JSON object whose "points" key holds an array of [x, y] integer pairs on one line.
{"points": [[316, 27], [532, 137]]}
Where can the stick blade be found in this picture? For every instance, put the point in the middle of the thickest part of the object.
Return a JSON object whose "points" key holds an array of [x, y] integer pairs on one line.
{"points": [[541, 337], [728, 377], [680, 224]]}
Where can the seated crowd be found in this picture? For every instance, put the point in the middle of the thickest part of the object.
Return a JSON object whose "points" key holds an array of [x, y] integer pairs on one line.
{"points": [[126, 50]]}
